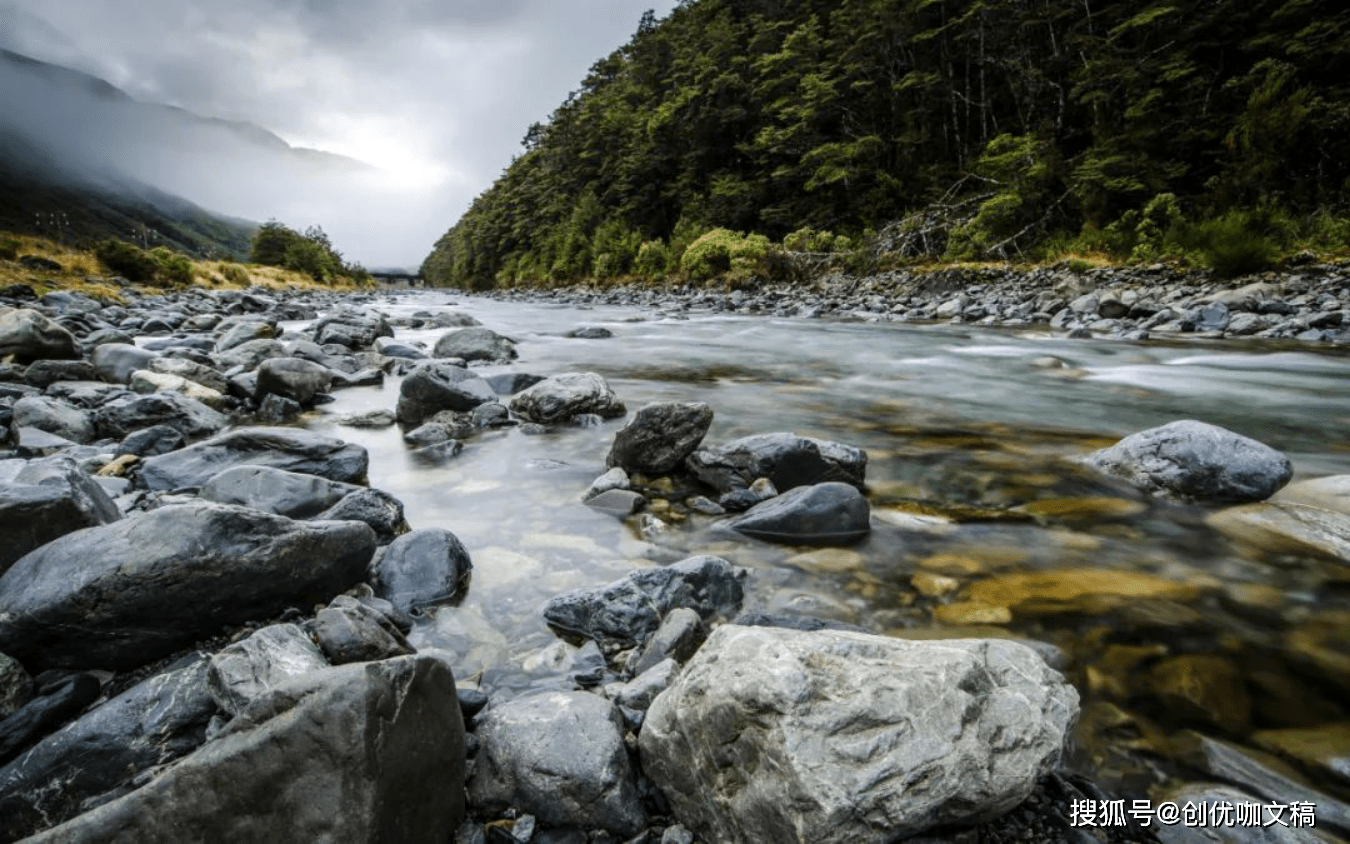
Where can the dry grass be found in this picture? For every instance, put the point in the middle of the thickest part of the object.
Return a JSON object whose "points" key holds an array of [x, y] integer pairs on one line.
{"points": [[82, 273]]}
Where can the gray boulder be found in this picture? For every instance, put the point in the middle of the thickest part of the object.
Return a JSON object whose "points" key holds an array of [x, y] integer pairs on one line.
{"points": [[352, 329], [363, 753], [561, 398], [152, 723], [558, 756], [246, 670], [434, 386], [122, 594], [28, 336], [293, 378], [46, 499], [349, 631], [821, 514], [630, 609], [292, 449], [192, 371], [249, 356], [116, 361], [147, 442], [1195, 460], [470, 344], [44, 373], [242, 331], [785, 459], [377, 508], [422, 567], [54, 417], [784, 735], [294, 495], [189, 417], [660, 436]]}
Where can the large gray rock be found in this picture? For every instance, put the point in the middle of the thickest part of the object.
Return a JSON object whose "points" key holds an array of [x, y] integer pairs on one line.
{"points": [[660, 436], [294, 495], [54, 417], [292, 378], [630, 609], [28, 336], [192, 371], [1189, 459], [249, 356], [785, 459], [434, 386], [558, 756], [349, 631], [242, 331], [561, 398], [116, 361], [377, 508], [470, 344], [821, 514], [46, 499], [246, 670], [122, 594], [152, 723], [292, 449], [422, 567], [189, 417], [830, 736], [364, 753], [353, 329]]}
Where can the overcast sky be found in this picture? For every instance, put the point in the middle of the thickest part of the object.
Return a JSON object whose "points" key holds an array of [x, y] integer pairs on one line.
{"points": [[438, 94]]}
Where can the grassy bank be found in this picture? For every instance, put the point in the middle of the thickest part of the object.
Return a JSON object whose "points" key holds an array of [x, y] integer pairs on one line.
{"points": [[82, 270]]}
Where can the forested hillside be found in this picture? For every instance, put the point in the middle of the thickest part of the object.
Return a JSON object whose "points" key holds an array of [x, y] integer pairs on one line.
{"points": [[992, 128]]}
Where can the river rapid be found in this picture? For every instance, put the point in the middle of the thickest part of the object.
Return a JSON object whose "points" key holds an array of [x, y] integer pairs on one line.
{"points": [[1162, 622]]}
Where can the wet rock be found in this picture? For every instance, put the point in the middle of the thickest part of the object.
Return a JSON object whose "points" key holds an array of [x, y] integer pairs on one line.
{"points": [[28, 336], [787, 460], [1208, 797], [294, 378], [564, 397], [44, 373], [471, 344], [660, 436], [242, 331], [1328, 493], [152, 723], [679, 636], [291, 494], [116, 362], [1076, 590], [275, 409], [34, 442], [510, 383], [841, 737], [349, 631], [122, 594], [435, 386], [615, 478], [292, 449], [377, 508], [1286, 528], [16, 687], [369, 419], [620, 503], [559, 756], [45, 712], [47, 499], [352, 329], [1323, 750], [147, 442], [422, 567], [86, 394], [437, 453], [249, 356], [820, 514], [1202, 688], [191, 418], [369, 752], [629, 610], [1190, 459], [191, 371], [248, 669], [590, 333], [392, 348], [428, 433], [54, 417], [144, 381]]}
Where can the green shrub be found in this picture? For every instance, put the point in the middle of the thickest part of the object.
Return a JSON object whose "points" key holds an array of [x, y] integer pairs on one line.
{"points": [[9, 249], [606, 265], [747, 255], [173, 268], [234, 274], [653, 258], [1233, 244], [710, 254], [127, 260]]}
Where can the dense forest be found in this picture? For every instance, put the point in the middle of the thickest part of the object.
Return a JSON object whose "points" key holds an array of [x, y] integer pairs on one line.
{"points": [[956, 129]]}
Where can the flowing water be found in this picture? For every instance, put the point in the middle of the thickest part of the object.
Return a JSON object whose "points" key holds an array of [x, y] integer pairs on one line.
{"points": [[983, 524]]}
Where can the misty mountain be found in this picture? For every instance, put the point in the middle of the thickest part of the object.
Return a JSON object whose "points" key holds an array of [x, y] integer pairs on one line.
{"points": [[75, 144]]}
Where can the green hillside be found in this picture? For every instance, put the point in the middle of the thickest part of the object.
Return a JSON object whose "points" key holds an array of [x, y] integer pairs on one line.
{"points": [[992, 128]]}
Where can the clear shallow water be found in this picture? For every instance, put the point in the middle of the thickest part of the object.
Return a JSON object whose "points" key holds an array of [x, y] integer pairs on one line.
{"points": [[972, 425]]}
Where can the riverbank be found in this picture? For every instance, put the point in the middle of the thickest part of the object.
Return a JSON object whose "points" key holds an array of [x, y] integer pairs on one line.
{"points": [[1307, 304], [321, 501]]}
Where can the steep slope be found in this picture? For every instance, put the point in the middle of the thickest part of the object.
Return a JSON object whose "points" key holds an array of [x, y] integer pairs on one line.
{"points": [[1009, 122]]}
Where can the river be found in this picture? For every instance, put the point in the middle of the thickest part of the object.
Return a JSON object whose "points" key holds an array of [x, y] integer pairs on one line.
{"points": [[971, 435]]}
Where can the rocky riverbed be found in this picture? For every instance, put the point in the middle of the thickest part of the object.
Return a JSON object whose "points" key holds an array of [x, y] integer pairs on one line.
{"points": [[356, 567]]}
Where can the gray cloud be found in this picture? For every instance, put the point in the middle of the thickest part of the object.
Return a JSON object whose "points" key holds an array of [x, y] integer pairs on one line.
{"points": [[439, 93]]}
